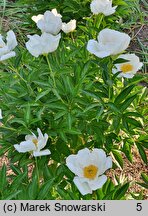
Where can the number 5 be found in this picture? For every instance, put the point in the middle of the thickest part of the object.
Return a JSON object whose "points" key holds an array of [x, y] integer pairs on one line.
{"points": [[139, 207]]}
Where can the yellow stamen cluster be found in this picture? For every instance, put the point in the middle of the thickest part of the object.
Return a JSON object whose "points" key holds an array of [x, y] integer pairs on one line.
{"points": [[126, 68], [35, 141], [90, 171]]}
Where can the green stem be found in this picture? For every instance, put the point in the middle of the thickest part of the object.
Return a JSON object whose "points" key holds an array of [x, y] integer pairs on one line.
{"points": [[52, 74], [37, 170], [72, 37], [99, 19], [110, 79], [7, 128], [17, 73], [54, 83]]}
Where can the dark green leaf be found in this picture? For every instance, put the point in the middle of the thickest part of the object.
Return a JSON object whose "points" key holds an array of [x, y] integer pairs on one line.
{"points": [[119, 194], [123, 94]]}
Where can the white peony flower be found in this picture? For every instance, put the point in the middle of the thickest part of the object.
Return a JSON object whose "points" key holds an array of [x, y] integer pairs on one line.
{"points": [[37, 18], [102, 6], [89, 166], [34, 144], [50, 22], [42, 45], [128, 69], [69, 27], [6, 48], [110, 42], [1, 114]]}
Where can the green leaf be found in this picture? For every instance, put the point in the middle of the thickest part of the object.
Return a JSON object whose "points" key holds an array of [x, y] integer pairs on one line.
{"points": [[69, 120], [15, 169], [142, 185], [93, 95], [42, 94], [3, 180], [91, 107], [33, 188], [126, 103], [27, 114], [144, 177], [18, 181], [63, 193], [133, 114], [118, 157], [142, 152], [123, 94], [127, 151], [45, 189], [113, 107], [120, 60], [12, 195], [125, 123], [116, 123], [119, 194], [134, 122], [72, 131], [59, 114]]}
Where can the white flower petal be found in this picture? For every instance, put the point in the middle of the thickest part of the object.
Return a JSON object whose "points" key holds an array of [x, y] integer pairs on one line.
{"points": [[37, 18], [139, 66], [102, 6], [98, 183], [126, 75], [86, 159], [2, 43], [25, 146], [54, 11], [93, 47], [41, 153], [110, 42], [11, 40], [73, 165], [1, 114], [101, 160], [110, 11], [50, 23], [30, 137], [108, 163], [82, 187], [8, 55], [113, 41], [34, 45], [42, 142], [69, 27], [40, 135], [128, 69], [50, 42], [4, 50]]}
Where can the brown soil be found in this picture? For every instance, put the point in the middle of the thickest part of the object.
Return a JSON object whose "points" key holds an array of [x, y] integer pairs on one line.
{"points": [[131, 172]]}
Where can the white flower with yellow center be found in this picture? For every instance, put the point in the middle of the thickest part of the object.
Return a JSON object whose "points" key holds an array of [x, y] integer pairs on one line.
{"points": [[50, 22], [1, 114], [89, 166], [6, 48], [42, 45], [110, 42], [130, 68], [34, 144], [69, 27], [102, 6]]}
